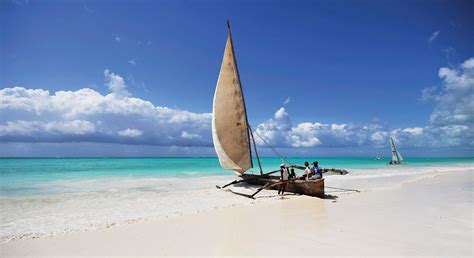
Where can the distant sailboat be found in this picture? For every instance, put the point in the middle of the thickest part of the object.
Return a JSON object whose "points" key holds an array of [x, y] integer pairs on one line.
{"points": [[233, 138], [396, 156]]}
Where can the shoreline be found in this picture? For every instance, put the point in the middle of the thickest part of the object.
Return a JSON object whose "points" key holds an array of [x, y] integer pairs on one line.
{"points": [[395, 221], [98, 204]]}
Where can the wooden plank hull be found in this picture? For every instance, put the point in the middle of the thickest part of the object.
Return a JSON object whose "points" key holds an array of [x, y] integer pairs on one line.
{"points": [[313, 187]]}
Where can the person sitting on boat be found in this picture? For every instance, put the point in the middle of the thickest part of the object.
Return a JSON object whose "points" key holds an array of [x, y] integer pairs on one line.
{"points": [[284, 179], [317, 171], [307, 170], [292, 173]]}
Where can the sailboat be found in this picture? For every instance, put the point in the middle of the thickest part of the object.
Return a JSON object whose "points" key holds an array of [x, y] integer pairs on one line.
{"points": [[233, 137], [396, 156]]}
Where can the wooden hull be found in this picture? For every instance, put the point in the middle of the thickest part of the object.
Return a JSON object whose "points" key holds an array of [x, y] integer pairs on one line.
{"points": [[313, 187]]}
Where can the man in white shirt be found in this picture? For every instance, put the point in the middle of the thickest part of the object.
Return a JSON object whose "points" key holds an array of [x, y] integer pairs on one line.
{"points": [[284, 179]]}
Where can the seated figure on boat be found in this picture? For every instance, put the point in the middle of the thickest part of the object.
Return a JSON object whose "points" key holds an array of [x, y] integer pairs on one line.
{"points": [[314, 172], [292, 173], [284, 178], [307, 170], [317, 173]]}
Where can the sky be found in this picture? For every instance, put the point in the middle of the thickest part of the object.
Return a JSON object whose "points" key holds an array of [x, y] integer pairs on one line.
{"points": [[320, 78]]}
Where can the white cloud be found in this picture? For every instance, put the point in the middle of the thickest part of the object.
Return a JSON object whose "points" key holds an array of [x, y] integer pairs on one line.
{"points": [[117, 39], [130, 132], [187, 135], [380, 137], [279, 131], [454, 104], [468, 64], [435, 136], [281, 113], [414, 130], [304, 135], [116, 84], [287, 100], [433, 36], [33, 128], [428, 94], [132, 62], [36, 115]]}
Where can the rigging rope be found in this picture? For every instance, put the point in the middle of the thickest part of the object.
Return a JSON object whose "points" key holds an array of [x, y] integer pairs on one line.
{"points": [[271, 147]]}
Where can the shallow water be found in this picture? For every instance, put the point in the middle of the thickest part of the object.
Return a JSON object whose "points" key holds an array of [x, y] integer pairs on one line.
{"points": [[45, 176], [41, 197]]}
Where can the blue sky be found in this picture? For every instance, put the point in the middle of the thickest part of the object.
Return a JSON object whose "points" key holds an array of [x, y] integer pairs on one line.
{"points": [[351, 69]]}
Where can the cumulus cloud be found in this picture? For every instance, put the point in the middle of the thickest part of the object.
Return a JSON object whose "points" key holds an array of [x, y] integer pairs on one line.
{"points": [[130, 132], [132, 62], [36, 128], [380, 137], [414, 130], [116, 84], [36, 115], [454, 103], [287, 100], [435, 136], [280, 131], [85, 115], [451, 123]]}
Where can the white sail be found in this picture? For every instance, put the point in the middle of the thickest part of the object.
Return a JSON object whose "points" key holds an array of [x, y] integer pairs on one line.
{"points": [[394, 151], [400, 158], [396, 156], [229, 118]]}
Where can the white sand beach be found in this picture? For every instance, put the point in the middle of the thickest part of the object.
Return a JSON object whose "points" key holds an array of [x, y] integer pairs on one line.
{"points": [[431, 215]]}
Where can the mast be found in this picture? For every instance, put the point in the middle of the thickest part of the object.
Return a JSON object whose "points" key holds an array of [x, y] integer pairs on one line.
{"points": [[249, 130], [256, 153]]}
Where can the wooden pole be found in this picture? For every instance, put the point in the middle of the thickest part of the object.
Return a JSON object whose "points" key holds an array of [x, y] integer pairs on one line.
{"points": [[256, 152], [245, 180]]}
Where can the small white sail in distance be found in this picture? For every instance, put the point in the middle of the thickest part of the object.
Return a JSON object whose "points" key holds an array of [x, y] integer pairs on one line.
{"points": [[230, 132], [396, 156]]}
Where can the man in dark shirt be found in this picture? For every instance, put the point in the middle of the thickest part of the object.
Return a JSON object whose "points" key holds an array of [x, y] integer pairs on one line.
{"points": [[317, 171]]}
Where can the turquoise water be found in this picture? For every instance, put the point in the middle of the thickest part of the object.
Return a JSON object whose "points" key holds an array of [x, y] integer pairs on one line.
{"points": [[19, 175], [46, 196]]}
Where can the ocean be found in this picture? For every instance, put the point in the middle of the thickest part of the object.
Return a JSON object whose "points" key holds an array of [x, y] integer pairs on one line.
{"points": [[46, 196]]}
